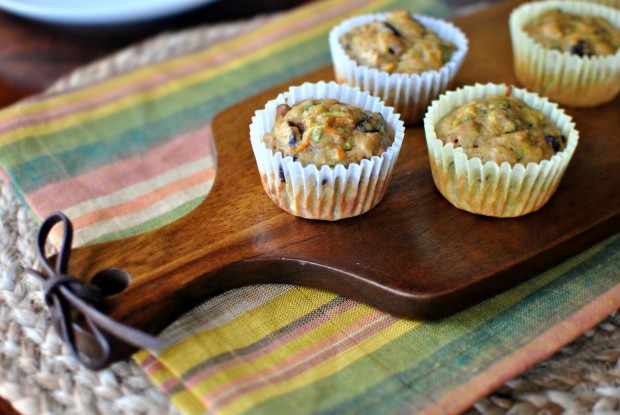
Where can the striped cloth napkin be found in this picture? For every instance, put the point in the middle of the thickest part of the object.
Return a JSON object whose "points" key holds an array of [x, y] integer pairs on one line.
{"points": [[133, 153]]}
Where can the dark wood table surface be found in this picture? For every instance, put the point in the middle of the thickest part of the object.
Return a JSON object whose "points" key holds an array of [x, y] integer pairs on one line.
{"points": [[33, 55]]}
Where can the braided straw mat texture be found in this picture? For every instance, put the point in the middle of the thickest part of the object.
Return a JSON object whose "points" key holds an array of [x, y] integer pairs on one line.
{"points": [[38, 376]]}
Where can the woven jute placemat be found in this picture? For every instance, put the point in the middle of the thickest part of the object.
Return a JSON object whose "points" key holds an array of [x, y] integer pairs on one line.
{"points": [[38, 375]]}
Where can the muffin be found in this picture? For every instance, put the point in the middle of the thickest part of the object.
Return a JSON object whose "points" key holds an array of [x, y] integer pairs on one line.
{"points": [[327, 132], [326, 151], [398, 44], [498, 151], [577, 34], [406, 60], [568, 51], [502, 129]]}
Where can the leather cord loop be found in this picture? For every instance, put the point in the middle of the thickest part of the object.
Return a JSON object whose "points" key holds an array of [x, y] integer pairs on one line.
{"points": [[68, 298]]}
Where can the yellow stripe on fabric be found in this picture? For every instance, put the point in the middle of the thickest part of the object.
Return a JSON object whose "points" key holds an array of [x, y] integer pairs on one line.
{"points": [[285, 349], [159, 376], [191, 352], [162, 90], [175, 63], [188, 402], [322, 370], [140, 356], [184, 399], [167, 65]]}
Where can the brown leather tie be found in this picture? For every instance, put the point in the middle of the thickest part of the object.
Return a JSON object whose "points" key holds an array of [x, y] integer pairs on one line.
{"points": [[69, 299]]}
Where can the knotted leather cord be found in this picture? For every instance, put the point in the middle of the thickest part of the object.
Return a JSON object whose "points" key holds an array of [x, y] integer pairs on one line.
{"points": [[66, 296]]}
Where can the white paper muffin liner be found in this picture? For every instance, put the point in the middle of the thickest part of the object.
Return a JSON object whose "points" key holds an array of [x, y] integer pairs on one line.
{"points": [[324, 192], [492, 189], [561, 76], [409, 94]]}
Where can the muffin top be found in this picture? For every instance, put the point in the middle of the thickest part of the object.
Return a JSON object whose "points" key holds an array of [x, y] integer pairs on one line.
{"points": [[327, 132], [579, 35], [501, 128], [398, 44]]}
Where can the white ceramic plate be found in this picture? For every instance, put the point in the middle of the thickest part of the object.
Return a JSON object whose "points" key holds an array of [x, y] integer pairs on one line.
{"points": [[97, 12]]}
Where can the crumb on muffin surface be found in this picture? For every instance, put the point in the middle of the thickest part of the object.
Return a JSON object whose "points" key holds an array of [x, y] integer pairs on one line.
{"points": [[501, 128], [327, 132], [398, 44], [578, 35]]}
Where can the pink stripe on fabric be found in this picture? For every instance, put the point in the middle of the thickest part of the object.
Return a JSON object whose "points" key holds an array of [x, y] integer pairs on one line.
{"points": [[169, 384], [151, 364], [143, 201], [157, 78], [538, 349], [4, 176], [370, 325], [322, 319], [112, 177], [148, 361]]}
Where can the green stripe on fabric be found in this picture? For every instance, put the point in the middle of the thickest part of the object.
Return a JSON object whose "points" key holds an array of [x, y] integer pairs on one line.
{"points": [[153, 223], [454, 344], [51, 168], [149, 126], [196, 102], [267, 340], [475, 351], [426, 7], [40, 160], [532, 323], [20, 197]]}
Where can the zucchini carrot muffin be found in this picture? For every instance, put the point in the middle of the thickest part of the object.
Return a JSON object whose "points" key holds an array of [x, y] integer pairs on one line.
{"points": [[498, 151], [326, 151], [568, 51], [400, 44], [327, 132], [501, 129], [578, 35], [406, 60]]}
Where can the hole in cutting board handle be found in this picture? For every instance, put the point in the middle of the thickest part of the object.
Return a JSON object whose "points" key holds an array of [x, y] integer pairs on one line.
{"points": [[111, 281]]}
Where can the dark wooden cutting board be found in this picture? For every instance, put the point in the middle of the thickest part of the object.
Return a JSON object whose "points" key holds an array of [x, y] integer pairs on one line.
{"points": [[414, 255]]}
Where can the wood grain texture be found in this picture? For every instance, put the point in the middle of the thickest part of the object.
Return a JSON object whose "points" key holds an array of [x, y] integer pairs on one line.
{"points": [[414, 255]]}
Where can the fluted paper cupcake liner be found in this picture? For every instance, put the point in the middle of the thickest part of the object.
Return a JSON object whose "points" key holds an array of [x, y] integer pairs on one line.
{"points": [[561, 76], [492, 189], [324, 192], [409, 94]]}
